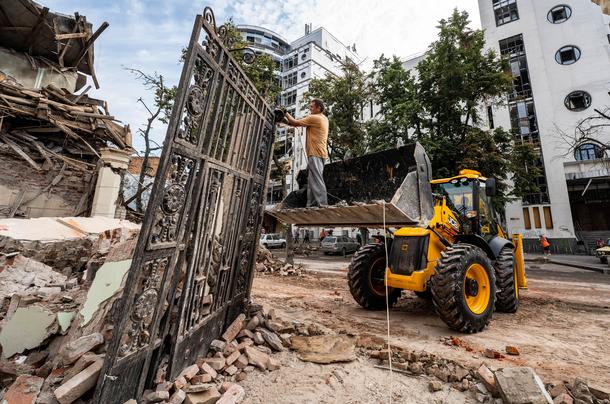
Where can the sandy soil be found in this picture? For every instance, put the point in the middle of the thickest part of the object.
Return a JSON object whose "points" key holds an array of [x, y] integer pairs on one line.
{"points": [[562, 329]]}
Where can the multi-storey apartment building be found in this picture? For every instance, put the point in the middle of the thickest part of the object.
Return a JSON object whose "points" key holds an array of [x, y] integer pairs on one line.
{"points": [[559, 54]]}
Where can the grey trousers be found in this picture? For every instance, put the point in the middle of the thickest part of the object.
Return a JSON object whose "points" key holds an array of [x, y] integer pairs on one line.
{"points": [[316, 190]]}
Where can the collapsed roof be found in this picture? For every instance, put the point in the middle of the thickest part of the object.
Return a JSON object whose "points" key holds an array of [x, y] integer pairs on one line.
{"points": [[64, 40]]}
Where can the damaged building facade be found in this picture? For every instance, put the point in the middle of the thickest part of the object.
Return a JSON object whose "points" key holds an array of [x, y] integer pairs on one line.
{"points": [[61, 152]]}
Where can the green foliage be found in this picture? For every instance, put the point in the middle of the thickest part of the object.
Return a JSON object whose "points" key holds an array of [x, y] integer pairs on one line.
{"points": [[394, 91], [344, 98], [440, 108]]}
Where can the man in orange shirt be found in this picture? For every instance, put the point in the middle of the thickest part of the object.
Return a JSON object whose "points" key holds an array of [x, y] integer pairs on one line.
{"points": [[316, 144]]}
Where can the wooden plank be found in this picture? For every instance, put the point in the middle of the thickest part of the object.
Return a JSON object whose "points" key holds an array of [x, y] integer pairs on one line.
{"points": [[75, 35], [92, 115], [89, 42], [21, 153]]}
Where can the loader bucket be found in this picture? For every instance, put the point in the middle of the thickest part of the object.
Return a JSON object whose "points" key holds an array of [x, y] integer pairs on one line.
{"points": [[359, 189]]}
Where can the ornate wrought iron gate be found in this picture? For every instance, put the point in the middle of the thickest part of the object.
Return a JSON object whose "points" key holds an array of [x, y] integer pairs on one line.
{"points": [[192, 270]]}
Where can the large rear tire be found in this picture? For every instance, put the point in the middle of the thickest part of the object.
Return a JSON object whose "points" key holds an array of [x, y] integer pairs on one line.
{"points": [[464, 288], [366, 278], [507, 297]]}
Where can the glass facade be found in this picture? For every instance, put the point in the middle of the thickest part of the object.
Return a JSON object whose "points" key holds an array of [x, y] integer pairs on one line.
{"points": [[522, 109], [505, 11]]}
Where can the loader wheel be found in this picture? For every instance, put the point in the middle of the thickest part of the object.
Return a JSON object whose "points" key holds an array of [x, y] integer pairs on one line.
{"points": [[366, 278], [603, 260], [507, 297], [464, 289]]}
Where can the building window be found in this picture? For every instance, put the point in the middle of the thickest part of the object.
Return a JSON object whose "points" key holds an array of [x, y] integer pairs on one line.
{"points": [[537, 220], [567, 55], [526, 218], [559, 14], [505, 11], [303, 74], [304, 56], [588, 151], [290, 98], [290, 80], [523, 118], [578, 101], [291, 62], [548, 217], [250, 39]]}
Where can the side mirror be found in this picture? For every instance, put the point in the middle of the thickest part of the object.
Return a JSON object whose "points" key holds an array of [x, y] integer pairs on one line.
{"points": [[490, 187]]}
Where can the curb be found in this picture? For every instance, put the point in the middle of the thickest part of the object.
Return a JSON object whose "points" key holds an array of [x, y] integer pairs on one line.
{"points": [[570, 264]]}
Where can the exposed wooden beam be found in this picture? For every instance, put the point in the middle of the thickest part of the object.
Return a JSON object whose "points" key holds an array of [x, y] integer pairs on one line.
{"points": [[41, 19], [87, 47], [76, 35]]}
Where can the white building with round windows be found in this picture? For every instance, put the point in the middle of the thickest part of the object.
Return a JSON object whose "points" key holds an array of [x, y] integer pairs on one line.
{"points": [[559, 52]]}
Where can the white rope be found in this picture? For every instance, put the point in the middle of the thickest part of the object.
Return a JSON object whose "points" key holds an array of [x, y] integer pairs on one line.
{"points": [[387, 303]]}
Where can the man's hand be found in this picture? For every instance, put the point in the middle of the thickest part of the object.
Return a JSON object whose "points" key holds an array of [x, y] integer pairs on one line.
{"points": [[291, 120]]}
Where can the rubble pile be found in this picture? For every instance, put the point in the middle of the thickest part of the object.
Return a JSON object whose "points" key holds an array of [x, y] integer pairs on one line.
{"points": [[247, 345], [266, 262], [54, 320]]}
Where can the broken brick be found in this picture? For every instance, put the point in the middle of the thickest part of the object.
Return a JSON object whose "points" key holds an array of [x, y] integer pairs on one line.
{"points": [[204, 378], [274, 364], [236, 326], [205, 397], [180, 382], [24, 390], [178, 397], [234, 394], [512, 350], [157, 396], [73, 350], [189, 372], [209, 370], [216, 363], [232, 358], [257, 358], [241, 362], [488, 379]]}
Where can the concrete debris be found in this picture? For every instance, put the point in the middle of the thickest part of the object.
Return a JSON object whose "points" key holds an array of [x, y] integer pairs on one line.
{"points": [[266, 262], [521, 385], [324, 348], [233, 395], [28, 328], [73, 350], [21, 275], [74, 388], [435, 385]]}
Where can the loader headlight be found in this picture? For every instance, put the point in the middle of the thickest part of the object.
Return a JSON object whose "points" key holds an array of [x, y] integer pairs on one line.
{"points": [[471, 213]]}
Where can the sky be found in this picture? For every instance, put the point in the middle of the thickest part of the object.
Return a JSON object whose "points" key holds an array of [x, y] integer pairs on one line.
{"points": [[149, 35]]}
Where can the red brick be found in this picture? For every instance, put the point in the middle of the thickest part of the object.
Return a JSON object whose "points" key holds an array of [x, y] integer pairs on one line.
{"points": [[234, 329], [24, 390]]}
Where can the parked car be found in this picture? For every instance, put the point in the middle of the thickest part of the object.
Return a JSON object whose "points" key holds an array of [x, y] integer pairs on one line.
{"points": [[604, 252], [272, 241], [339, 245]]}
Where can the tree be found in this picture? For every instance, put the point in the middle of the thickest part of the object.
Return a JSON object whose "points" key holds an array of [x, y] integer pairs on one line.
{"points": [[394, 91], [345, 98], [440, 107], [162, 108], [592, 130]]}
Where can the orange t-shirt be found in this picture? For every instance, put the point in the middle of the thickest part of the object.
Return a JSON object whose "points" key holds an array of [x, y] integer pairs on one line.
{"points": [[317, 135]]}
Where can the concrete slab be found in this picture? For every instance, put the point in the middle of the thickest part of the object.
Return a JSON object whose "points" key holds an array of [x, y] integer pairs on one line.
{"points": [[38, 229], [20, 274], [97, 225], [27, 329], [108, 280]]}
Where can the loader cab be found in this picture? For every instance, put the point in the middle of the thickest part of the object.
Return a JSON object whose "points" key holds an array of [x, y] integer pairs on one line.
{"points": [[468, 195]]}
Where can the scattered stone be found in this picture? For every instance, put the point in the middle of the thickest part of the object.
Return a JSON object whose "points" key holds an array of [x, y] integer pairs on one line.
{"points": [[580, 391], [231, 370], [197, 388], [599, 392], [217, 345], [177, 398], [232, 331], [73, 350], [204, 378], [257, 358], [24, 390], [492, 354], [435, 385], [209, 396], [216, 363], [157, 396], [206, 368], [233, 395], [224, 387], [249, 369], [558, 390], [180, 382], [253, 323], [81, 383], [232, 358], [416, 368], [481, 398], [512, 350], [563, 398], [258, 338], [274, 364], [272, 339], [521, 385], [245, 333], [241, 376], [324, 349], [488, 379], [230, 347], [241, 362]]}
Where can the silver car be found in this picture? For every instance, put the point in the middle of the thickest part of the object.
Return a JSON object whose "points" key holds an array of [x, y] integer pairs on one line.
{"points": [[272, 241], [339, 245]]}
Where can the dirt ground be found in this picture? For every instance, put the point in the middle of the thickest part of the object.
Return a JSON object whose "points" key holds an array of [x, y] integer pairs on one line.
{"points": [[562, 329]]}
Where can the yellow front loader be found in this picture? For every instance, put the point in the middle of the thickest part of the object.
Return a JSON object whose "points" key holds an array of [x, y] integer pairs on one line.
{"points": [[446, 244]]}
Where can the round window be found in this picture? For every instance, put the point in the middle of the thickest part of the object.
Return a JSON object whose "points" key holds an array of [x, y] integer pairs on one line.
{"points": [[567, 55], [559, 14], [304, 56], [303, 75], [578, 101], [588, 151]]}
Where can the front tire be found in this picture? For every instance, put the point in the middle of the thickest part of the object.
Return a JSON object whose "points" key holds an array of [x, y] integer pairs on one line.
{"points": [[507, 298], [366, 277], [603, 260], [464, 288]]}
